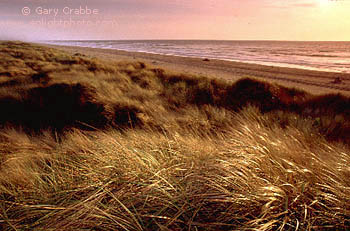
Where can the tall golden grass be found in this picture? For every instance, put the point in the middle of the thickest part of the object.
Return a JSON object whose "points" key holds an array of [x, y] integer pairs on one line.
{"points": [[88, 144]]}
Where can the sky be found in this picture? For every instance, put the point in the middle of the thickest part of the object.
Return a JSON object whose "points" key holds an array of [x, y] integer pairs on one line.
{"points": [[304, 20]]}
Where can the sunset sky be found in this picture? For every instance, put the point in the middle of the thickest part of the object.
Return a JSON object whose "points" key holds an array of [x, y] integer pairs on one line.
{"points": [[176, 19]]}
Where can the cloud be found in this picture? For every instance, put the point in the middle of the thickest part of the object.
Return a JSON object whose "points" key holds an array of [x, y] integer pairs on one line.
{"points": [[292, 4], [304, 5]]}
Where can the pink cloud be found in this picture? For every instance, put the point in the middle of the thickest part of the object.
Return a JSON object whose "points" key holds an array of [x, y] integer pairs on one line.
{"points": [[304, 5]]}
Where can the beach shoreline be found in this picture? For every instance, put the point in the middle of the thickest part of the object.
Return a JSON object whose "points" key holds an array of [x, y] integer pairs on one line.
{"points": [[315, 82]]}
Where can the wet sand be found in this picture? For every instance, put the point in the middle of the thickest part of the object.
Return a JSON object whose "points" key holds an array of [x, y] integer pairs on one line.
{"points": [[315, 82]]}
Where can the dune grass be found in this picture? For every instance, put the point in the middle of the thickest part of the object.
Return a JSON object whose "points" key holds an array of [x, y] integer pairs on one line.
{"points": [[88, 144]]}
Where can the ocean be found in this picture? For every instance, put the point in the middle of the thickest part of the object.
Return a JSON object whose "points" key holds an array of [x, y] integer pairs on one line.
{"points": [[323, 56]]}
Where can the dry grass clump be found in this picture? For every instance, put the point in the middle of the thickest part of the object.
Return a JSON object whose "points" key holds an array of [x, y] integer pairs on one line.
{"points": [[94, 145], [251, 177]]}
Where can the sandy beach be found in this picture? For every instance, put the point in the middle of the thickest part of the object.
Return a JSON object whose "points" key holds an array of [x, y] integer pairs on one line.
{"points": [[315, 82]]}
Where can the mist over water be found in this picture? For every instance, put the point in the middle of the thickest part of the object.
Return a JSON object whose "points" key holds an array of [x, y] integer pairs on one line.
{"points": [[324, 56]]}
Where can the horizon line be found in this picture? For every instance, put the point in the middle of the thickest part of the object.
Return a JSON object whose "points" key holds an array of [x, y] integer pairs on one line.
{"points": [[147, 39]]}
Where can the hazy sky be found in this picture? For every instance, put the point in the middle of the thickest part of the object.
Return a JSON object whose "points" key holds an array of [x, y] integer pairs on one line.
{"points": [[175, 19]]}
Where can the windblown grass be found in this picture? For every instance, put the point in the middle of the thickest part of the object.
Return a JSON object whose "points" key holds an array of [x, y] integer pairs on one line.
{"points": [[95, 145]]}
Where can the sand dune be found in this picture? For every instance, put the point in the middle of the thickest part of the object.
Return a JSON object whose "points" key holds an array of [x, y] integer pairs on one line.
{"points": [[97, 144]]}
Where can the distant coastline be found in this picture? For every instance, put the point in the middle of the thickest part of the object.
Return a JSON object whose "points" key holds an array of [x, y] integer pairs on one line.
{"points": [[310, 55]]}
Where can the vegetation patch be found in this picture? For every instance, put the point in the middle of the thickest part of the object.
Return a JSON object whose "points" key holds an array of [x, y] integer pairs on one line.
{"points": [[90, 144]]}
